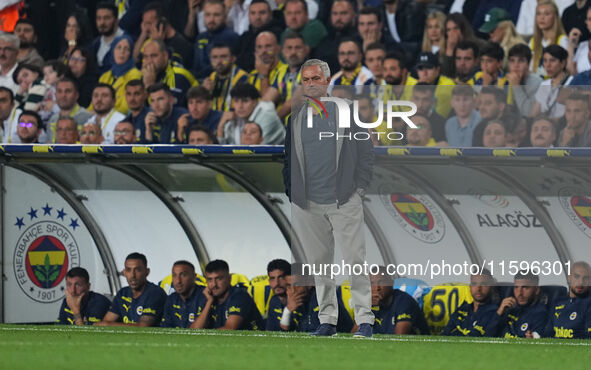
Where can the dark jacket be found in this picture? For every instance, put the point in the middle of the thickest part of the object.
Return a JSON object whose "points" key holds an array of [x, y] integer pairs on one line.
{"points": [[354, 165]]}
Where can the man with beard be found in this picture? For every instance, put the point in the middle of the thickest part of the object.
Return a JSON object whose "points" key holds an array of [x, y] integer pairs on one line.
{"points": [[577, 132], [161, 122], [136, 96], [139, 304], [66, 130], [9, 46], [30, 126], [269, 70], [522, 313], [395, 76], [479, 318], [466, 60], [570, 317], [125, 133], [224, 77], [9, 114], [278, 270], [226, 307], [342, 22], [543, 132], [91, 134], [107, 25], [81, 306], [27, 52], [157, 67], [66, 96], [180, 310], [103, 102], [396, 312], [214, 16], [261, 19], [352, 72]]}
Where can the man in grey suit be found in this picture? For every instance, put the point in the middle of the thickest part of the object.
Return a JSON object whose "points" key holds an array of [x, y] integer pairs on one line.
{"points": [[326, 173]]}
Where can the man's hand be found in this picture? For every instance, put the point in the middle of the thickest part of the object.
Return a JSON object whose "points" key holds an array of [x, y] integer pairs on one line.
{"points": [[505, 305], [158, 32], [529, 334], [149, 74], [294, 300], [74, 302], [514, 78], [208, 295], [369, 37], [150, 122], [208, 83], [574, 36], [568, 134], [262, 68], [181, 124], [486, 79], [194, 5]]}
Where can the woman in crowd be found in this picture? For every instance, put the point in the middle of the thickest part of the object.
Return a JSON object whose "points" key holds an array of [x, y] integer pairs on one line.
{"points": [[495, 134], [82, 66], [506, 35], [434, 34], [77, 33], [457, 29], [548, 31]]}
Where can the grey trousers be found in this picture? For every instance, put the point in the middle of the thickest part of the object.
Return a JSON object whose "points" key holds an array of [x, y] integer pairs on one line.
{"points": [[319, 228]]}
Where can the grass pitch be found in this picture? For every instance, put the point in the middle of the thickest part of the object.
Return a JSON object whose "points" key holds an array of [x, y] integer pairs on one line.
{"points": [[57, 347]]}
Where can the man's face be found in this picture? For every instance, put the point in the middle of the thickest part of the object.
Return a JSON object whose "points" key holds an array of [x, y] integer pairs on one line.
{"points": [[251, 135], [576, 113], [423, 100], [296, 16], [149, 20], [494, 136], [525, 291], [153, 55], [8, 53], [135, 97], [519, 66], [480, 288], [428, 74], [66, 95], [374, 60], [295, 52], [349, 56], [421, 135], [553, 66], [77, 286], [259, 14], [67, 132], [542, 134], [342, 15], [136, 273], [198, 137], [381, 289], [102, 100], [292, 285], [314, 82], [91, 134], [221, 60], [466, 62], [277, 282], [393, 74], [243, 107], [213, 16], [124, 133], [199, 108], [266, 48], [218, 282], [579, 280], [463, 105], [5, 105], [161, 103], [28, 129], [26, 34], [489, 107], [368, 23], [106, 22], [490, 65], [183, 279]]}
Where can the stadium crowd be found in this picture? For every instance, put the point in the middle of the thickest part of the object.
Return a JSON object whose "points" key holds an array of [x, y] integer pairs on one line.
{"points": [[284, 300], [496, 73]]}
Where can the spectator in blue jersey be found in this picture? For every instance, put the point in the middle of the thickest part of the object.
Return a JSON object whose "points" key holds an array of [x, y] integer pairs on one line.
{"points": [[522, 314], [136, 97], [278, 270], [81, 305], [180, 310], [570, 317], [139, 304], [107, 25], [214, 17], [160, 124], [396, 312], [491, 67], [479, 318], [226, 307], [459, 129], [352, 71], [199, 101]]}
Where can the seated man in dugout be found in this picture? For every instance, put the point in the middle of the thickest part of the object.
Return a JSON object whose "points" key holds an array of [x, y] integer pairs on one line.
{"points": [[81, 305]]}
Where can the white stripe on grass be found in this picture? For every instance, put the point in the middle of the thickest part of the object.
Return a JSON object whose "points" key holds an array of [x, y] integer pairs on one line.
{"points": [[409, 338]]}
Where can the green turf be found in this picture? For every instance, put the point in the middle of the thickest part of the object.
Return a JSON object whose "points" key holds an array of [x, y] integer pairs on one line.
{"points": [[56, 347]]}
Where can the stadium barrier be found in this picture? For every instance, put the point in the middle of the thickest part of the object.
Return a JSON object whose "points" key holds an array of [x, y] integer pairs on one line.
{"points": [[90, 206]]}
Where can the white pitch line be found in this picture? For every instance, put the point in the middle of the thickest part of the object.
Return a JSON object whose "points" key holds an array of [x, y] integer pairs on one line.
{"points": [[411, 339]]}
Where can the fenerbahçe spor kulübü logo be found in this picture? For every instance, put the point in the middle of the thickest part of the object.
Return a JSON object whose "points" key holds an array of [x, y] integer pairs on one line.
{"points": [[417, 215], [577, 208], [45, 251]]}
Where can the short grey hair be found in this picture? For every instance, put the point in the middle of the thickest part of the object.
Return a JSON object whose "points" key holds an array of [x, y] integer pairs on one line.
{"points": [[7, 37], [317, 62]]}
